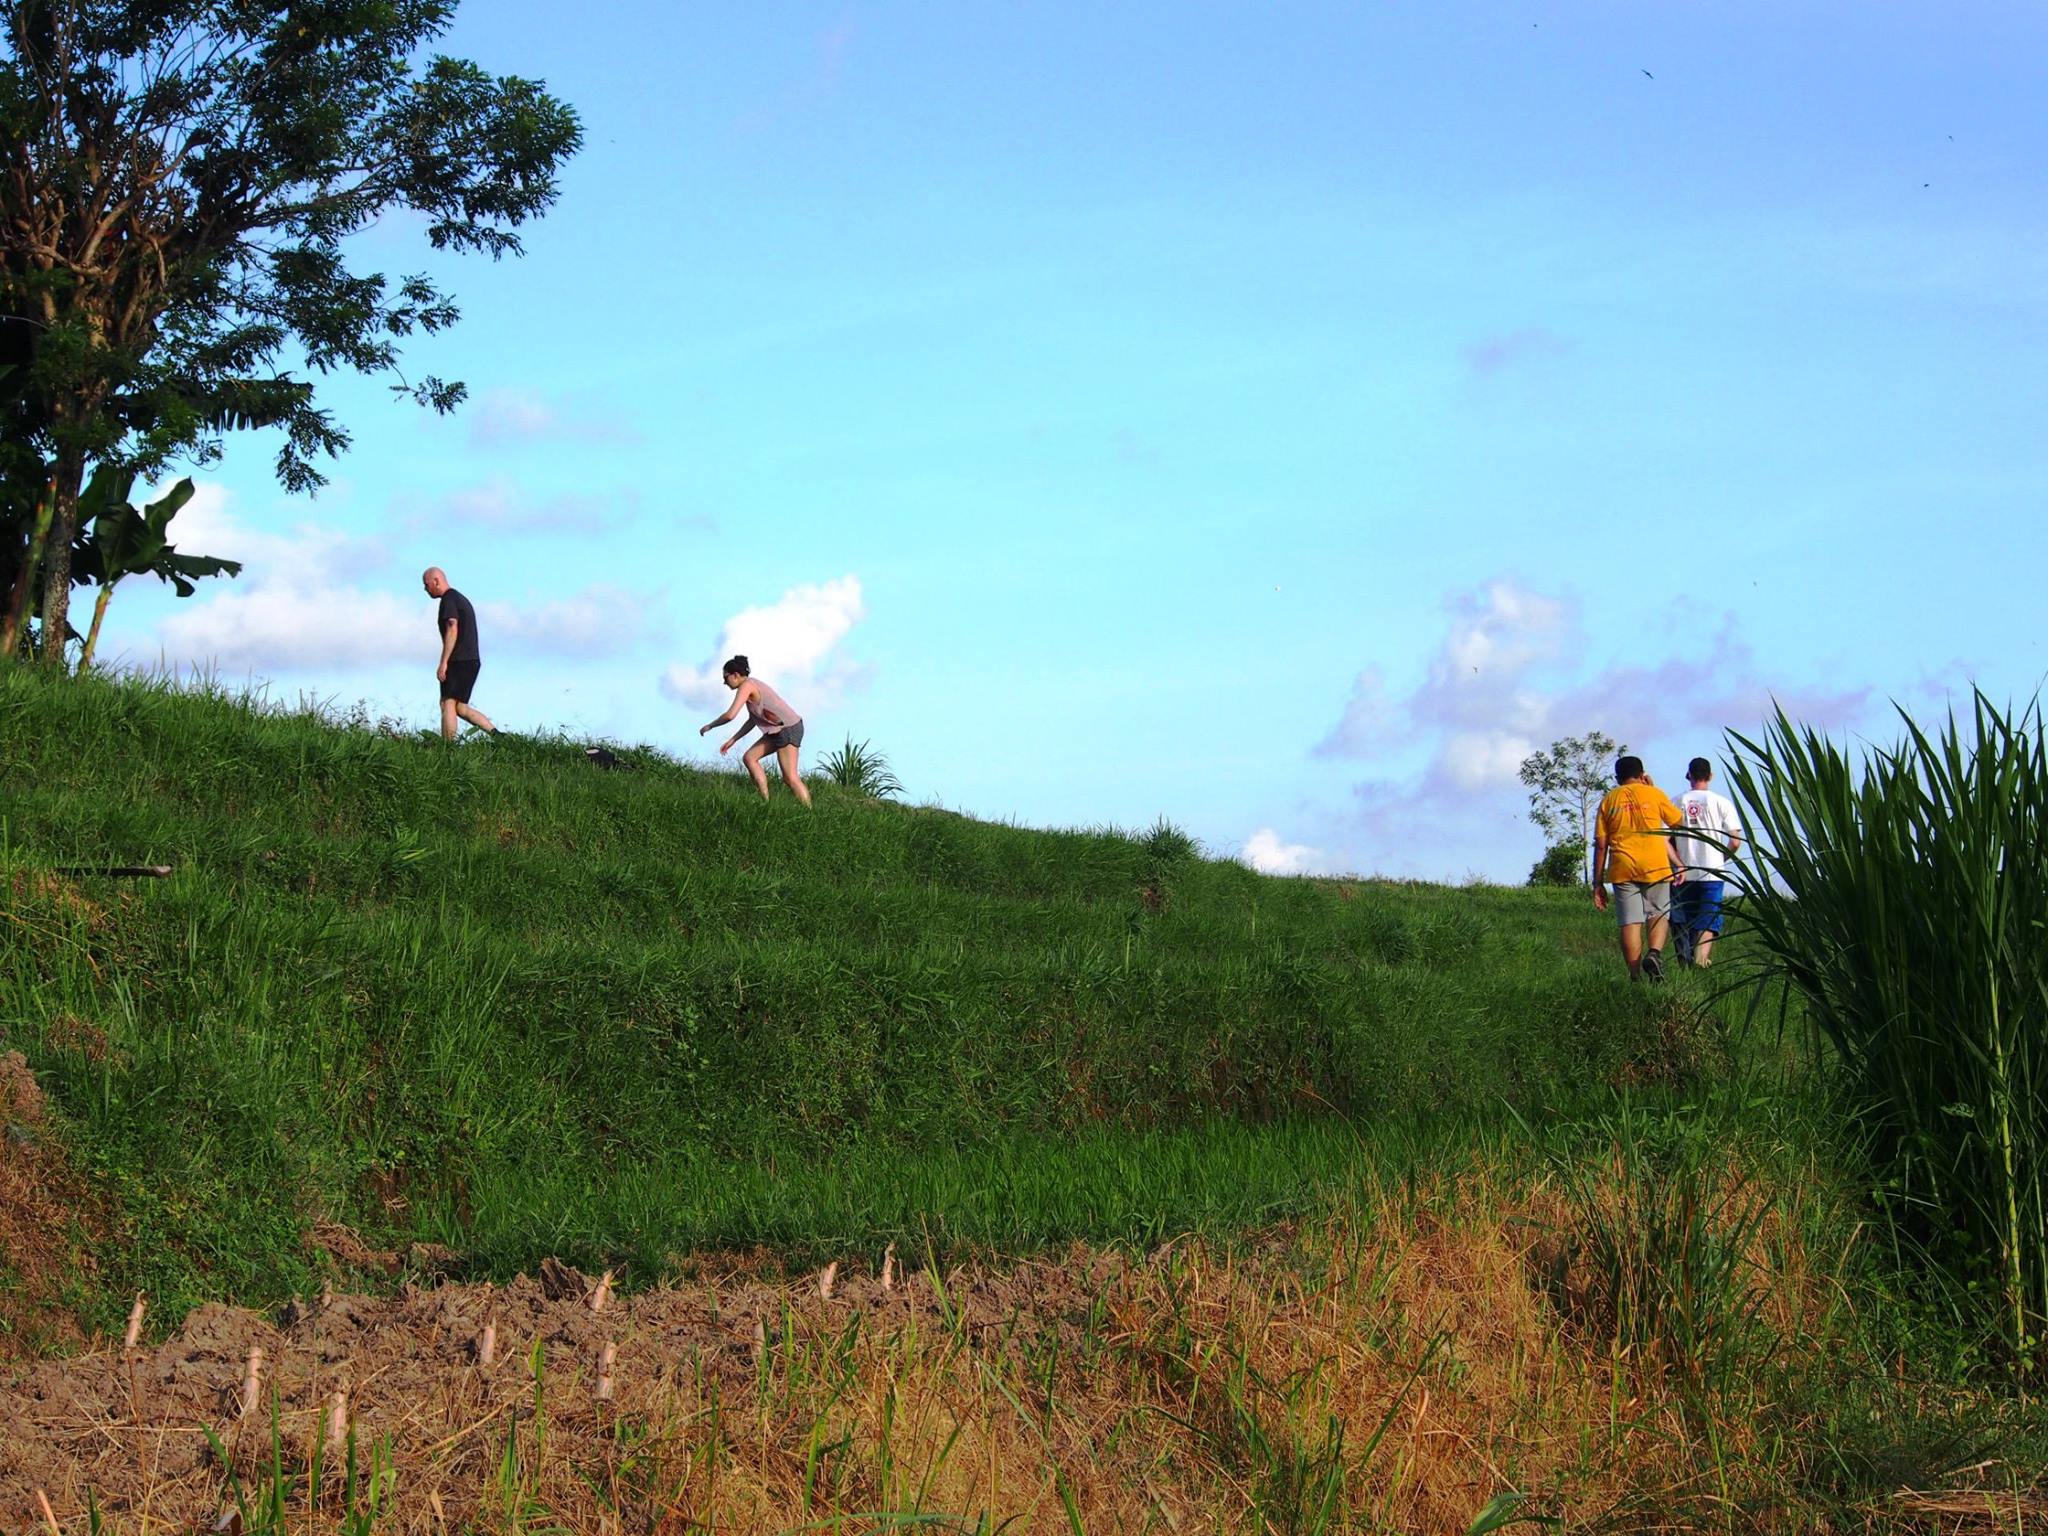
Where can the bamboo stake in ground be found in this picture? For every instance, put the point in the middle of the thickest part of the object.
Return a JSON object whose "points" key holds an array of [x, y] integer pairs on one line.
{"points": [[337, 1425], [128, 1343], [889, 1268], [49, 1515], [251, 1379], [606, 1358], [487, 1346], [828, 1277], [602, 1293]]}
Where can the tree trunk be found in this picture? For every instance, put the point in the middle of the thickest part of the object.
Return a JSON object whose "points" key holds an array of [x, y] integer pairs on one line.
{"points": [[56, 613], [99, 614], [24, 581]]}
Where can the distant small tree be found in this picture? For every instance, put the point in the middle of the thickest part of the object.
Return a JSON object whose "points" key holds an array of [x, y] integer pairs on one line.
{"points": [[1562, 864], [1565, 783]]}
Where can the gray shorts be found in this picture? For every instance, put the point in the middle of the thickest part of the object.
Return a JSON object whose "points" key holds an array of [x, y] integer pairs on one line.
{"points": [[791, 735], [1637, 901]]}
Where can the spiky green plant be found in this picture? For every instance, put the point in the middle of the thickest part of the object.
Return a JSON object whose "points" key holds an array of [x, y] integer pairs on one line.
{"points": [[1168, 843], [1904, 894], [858, 767]]}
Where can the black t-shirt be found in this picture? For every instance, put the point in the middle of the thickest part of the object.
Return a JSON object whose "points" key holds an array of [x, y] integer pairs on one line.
{"points": [[455, 606]]}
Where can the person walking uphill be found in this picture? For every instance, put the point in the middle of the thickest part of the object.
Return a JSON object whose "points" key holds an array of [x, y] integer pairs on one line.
{"points": [[461, 659], [1631, 850], [781, 728], [1696, 910]]}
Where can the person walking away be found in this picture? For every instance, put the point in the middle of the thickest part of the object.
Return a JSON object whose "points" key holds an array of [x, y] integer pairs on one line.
{"points": [[1696, 904], [1631, 851], [461, 659], [781, 728]]}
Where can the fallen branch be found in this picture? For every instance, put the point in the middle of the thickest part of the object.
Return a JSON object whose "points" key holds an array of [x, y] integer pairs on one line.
{"points": [[115, 871]]}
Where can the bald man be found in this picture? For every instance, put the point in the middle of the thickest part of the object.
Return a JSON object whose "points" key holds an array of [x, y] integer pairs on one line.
{"points": [[460, 658]]}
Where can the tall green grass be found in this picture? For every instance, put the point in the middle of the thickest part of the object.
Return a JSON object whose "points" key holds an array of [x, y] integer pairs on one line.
{"points": [[1904, 894], [490, 997]]}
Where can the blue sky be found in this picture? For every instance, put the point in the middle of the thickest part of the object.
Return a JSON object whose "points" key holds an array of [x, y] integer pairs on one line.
{"points": [[1278, 418]]}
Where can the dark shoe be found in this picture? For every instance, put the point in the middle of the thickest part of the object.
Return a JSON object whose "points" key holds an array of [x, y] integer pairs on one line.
{"points": [[1653, 964]]}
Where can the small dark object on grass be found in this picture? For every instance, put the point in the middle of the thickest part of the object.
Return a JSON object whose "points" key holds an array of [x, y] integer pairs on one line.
{"points": [[603, 758]]}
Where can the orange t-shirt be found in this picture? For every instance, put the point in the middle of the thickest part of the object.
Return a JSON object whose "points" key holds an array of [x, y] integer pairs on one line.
{"points": [[1630, 815]]}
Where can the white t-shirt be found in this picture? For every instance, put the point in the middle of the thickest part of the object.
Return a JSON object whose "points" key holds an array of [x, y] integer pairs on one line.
{"points": [[1710, 813]]}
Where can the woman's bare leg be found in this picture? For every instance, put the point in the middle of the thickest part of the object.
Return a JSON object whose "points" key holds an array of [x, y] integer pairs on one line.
{"points": [[752, 759], [785, 759]]}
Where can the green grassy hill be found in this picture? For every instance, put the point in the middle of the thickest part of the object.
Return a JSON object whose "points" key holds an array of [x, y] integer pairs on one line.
{"points": [[494, 998]]}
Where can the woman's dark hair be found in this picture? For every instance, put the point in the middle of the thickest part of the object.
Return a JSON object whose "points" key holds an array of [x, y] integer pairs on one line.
{"points": [[737, 664]]}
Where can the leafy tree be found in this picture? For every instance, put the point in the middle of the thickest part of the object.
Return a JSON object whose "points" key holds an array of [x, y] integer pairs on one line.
{"points": [[1565, 783], [178, 179]]}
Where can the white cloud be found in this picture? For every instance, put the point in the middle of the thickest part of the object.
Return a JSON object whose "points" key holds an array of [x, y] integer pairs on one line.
{"points": [[1370, 718], [597, 621], [1484, 759], [302, 604], [297, 603], [498, 506], [1476, 692], [1496, 637], [792, 641], [511, 418], [1266, 853], [1507, 678]]}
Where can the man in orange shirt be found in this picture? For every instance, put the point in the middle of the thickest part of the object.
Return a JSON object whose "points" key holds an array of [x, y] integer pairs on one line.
{"points": [[1631, 850]]}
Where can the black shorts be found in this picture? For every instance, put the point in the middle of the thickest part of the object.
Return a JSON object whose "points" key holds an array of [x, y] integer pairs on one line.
{"points": [[460, 680], [791, 735]]}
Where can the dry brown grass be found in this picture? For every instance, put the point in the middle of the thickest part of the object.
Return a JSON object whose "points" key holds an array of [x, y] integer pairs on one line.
{"points": [[43, 1207], [1384, 1373]]}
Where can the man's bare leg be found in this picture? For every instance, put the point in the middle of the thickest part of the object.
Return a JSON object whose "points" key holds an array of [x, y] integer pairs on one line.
{"points": [[477, 718], [1632, 948], [1660, 930], [447, 719], [1703, 948]]}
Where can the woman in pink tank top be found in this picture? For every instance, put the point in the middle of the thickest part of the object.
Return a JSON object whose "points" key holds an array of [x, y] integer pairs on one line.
{"points": [[781, 728]]}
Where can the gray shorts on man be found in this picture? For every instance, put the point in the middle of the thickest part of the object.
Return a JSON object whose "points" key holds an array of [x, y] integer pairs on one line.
{"points": [[1641, 901]]}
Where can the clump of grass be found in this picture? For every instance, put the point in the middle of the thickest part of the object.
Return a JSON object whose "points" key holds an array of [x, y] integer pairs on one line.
{"points": [[1904, 895], [1168, 844], [858, 767], [1656, 1258]]}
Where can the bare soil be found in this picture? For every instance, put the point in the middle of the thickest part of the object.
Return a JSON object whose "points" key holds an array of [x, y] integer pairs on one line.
{"points": [[130, 1426], [1396, 1372], [42, 1207]]}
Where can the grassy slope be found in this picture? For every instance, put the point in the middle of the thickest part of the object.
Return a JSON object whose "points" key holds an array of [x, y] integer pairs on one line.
{"points": [[496, 998]]}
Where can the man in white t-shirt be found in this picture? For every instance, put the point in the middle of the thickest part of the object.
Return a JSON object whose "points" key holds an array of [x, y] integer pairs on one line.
{"points": [[1696, 905]]}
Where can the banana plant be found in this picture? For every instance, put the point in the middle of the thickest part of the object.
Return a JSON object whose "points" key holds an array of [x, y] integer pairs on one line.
{"points": [[125, 540]]}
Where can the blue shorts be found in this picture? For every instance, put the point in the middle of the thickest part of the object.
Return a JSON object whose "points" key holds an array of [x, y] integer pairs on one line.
{"points": [[1696, 906]]}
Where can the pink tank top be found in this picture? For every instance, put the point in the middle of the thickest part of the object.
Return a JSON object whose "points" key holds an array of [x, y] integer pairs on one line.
{"points": [[769, 711]]}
